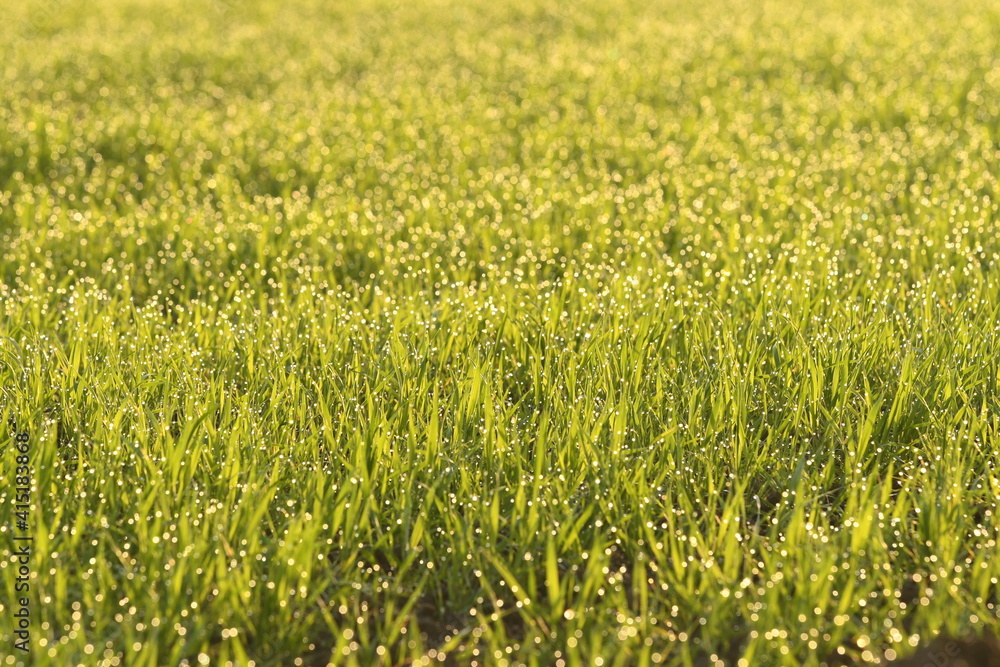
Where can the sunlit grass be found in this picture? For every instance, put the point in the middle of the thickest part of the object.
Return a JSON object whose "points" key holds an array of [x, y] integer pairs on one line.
{"points": [[380, 333]]}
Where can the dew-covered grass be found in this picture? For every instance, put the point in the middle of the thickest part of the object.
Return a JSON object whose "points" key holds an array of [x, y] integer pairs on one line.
{"points": [[486, 333]]}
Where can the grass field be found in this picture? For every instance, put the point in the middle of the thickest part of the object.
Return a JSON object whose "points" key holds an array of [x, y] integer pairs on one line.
{"points": [[485, 333]]}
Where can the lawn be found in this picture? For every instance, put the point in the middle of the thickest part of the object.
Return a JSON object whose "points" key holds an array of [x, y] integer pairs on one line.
{"points": [[498, 332]]}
